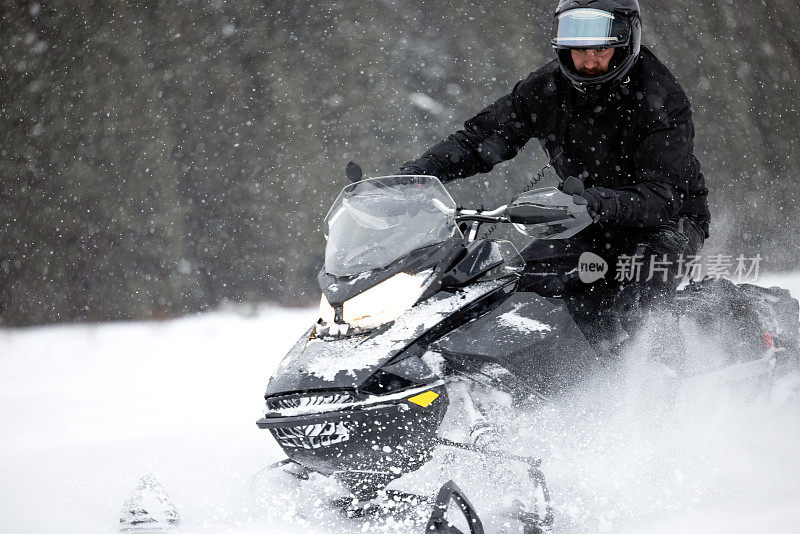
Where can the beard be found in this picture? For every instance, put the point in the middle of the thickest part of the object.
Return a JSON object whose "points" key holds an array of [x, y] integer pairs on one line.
{"points": [[592, 72]]}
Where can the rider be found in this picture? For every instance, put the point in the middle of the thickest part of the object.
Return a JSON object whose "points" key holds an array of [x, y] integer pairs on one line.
{"points": [[608, 113]]}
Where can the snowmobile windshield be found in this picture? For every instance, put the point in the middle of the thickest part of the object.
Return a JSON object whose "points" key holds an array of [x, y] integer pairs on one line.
{"points": [[374, 222], [590, 28]]}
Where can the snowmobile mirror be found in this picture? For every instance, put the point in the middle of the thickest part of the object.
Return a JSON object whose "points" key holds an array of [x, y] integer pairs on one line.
{"points": [[354, 172], [533, 214], [453, 510]]}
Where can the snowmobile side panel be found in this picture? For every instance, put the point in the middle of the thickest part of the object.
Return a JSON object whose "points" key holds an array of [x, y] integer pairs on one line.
{"points": [[412, 369], [533, 338]]}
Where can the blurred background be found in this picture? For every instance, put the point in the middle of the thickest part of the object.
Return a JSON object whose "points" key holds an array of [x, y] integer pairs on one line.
{"points": [[162, 157]]}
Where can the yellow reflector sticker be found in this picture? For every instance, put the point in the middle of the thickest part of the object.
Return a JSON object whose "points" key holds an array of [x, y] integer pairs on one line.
{"points": [[424, 399]]}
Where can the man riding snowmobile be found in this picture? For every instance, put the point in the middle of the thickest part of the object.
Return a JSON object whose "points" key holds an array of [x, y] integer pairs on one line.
{"points": [[610, 115], [429, 334]]}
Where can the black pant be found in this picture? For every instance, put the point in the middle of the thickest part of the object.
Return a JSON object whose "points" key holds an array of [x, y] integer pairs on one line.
{"points": [[553, 271]]}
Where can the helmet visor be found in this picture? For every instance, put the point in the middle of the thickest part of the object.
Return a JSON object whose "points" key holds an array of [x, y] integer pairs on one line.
{"points": [[590, 28]]}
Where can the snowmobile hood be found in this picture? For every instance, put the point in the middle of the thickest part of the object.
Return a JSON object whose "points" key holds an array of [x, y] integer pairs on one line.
{"points": [[316, 364]]}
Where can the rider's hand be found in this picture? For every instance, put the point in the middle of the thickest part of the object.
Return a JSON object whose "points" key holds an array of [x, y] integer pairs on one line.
{"points": [[403, 171], [420, 167], [603, 203]]}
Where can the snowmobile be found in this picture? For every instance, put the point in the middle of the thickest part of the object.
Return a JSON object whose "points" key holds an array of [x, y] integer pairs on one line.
{"points": [[421, 322]]}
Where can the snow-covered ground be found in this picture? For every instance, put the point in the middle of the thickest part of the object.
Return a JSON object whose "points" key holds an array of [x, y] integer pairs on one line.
{"points": [[87, 409]]}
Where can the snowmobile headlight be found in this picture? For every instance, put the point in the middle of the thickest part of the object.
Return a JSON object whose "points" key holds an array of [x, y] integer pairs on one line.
{"points": [[386, 301], [326, 311]]}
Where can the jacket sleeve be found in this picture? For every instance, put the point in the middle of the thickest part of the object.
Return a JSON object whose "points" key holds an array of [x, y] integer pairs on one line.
{"points": [[494, 135], [664, 166]]}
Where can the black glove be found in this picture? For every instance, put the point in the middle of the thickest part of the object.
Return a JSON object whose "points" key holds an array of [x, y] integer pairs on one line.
{"points": [[409, 171], [418, 167], [603, 203]]}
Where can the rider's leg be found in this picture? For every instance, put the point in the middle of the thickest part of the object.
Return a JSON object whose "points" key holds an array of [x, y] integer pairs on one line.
{"points": [[552, 271], [662, 250]]}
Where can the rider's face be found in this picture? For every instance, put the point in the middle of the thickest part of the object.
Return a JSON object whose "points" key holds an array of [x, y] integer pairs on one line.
{"points": [[592, 62]]}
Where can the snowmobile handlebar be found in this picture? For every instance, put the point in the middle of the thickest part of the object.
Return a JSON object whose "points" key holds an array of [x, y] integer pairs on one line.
{"points": [[517, 214], [553, 212], [495, 216]]}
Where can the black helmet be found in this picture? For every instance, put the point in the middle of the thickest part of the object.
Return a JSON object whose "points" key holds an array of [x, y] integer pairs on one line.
{"points": [[591, 24]]}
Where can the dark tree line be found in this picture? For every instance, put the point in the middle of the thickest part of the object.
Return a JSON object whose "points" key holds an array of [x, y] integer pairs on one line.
{"points": [[158, 158]]}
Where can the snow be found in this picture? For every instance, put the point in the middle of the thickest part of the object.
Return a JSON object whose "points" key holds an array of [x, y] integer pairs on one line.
{"points": [[87, 410], [332, 358], [426, 103], [361, 277], [526, 325]]}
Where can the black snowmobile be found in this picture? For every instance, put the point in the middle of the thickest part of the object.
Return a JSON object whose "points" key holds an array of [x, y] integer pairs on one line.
{"points": [[420, 322]]}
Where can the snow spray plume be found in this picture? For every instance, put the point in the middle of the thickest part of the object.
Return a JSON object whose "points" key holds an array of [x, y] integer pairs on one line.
{"points": [[638, 446]]}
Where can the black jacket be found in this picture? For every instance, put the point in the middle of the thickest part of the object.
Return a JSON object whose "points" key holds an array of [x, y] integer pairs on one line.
{"points": [[632, 146]]}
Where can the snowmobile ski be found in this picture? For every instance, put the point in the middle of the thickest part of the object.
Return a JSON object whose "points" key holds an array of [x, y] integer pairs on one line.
{"points": [[450, 494], [149, 509]]}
